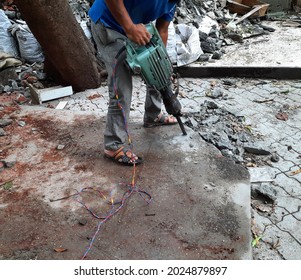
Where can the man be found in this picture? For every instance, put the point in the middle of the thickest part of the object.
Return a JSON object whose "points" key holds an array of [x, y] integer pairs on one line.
{"points": [[113, 21]]}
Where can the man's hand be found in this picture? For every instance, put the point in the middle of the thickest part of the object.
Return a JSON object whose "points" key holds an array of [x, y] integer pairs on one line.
{"points": [[135, 32], [138, 34]]}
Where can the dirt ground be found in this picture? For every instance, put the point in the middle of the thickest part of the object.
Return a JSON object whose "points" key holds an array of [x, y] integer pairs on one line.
{"points": [[47, 162], [35, 146]]}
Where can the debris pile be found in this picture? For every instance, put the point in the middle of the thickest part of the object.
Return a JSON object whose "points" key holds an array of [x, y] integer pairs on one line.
{"points": [[208, 18], [80, 9], [217, 26], [228, 132], [21, 56], [200, 32], [220, 128], [205, 17], [16, 37], [230, 135]]}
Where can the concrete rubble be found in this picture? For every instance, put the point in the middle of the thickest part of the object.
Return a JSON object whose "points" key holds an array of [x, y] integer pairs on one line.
{"points": [[253, 123]]}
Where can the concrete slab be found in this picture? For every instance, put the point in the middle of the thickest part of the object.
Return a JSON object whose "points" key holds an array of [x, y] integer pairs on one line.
{"points": [[200, 205]]}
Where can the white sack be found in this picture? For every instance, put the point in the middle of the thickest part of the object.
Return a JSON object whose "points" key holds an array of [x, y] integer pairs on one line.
{"points": [[29, 47], [171, 45], [188, 44], [7, 41]]}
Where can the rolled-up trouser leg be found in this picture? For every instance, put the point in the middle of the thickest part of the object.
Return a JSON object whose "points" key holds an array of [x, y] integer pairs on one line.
{"points": [[109, 43]]}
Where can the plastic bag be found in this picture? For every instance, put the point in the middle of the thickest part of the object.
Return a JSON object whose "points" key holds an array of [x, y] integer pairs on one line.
{"points": [[171, 45], [29, 47], [7, 41], [188, 44]]}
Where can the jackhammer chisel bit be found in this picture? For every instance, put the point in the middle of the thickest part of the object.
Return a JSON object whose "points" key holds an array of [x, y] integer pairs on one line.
{"points": [[172, 105]]}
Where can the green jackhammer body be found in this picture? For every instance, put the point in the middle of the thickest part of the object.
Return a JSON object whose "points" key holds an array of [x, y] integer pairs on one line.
{"points": [[153, 64]]}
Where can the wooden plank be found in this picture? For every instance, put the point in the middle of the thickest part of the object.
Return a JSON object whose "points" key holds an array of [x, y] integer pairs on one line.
{"points": [[238, 4], [256, 8]]}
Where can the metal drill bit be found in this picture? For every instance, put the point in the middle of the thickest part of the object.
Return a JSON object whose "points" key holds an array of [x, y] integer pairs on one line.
{"points": [[181, 124]]}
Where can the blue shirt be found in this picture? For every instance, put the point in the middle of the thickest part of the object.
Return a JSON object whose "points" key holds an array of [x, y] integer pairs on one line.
{"points": [[140, 11]]}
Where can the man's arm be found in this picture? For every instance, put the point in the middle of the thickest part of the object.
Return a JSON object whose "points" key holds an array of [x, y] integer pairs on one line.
{"points": [[135, 32], [162, 26]]}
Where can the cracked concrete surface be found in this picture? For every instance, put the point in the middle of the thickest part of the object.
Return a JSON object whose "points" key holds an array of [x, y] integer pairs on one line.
{"points": [[258, 102]]}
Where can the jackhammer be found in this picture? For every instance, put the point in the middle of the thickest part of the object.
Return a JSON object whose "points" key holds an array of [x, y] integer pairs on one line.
{"points": [[153, 64]]}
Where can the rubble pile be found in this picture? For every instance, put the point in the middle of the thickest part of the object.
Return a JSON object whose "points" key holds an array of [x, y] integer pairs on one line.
{"points": [[206, 17], [229, 134], [200, 32], [209, 18], [21, 56], [217, 26], [80, 9]]}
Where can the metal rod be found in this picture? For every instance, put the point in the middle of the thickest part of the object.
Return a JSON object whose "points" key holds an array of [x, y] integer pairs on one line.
{"points": [[181, 124]]}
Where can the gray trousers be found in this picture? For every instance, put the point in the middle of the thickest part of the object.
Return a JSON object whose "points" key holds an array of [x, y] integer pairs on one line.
{"points": [[109, 43]]}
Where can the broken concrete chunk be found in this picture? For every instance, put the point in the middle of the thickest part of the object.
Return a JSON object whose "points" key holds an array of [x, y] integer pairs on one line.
{"points": [[266, 190], [2, 132], [210, 45], [60, 147], [204, 57], [207, 24], [41, 95], [256, 150], [61, 105], [223, 142], [260, 174], [275, 157], [228, 82], [263, 197], [21, 123], [9, 163], [217, 55], [82, 221], [211, 120], [215, 93], [5, 122], [210, 105]]}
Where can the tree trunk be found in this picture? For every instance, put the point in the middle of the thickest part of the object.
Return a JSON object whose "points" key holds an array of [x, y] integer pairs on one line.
{"points": [[69, 55]]}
